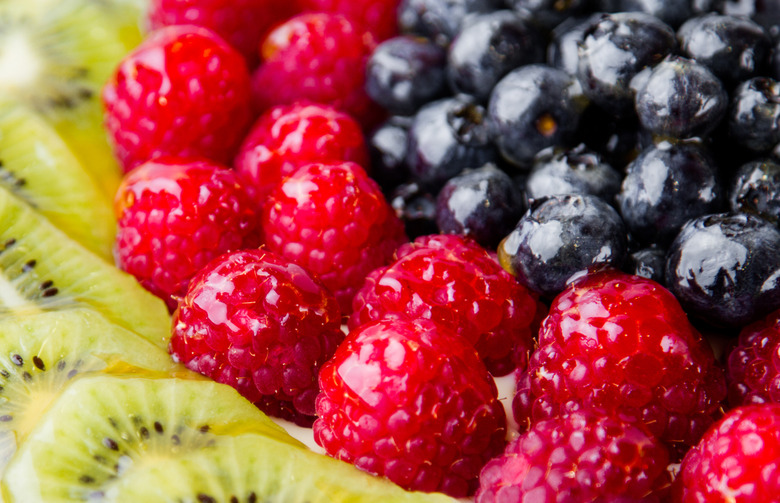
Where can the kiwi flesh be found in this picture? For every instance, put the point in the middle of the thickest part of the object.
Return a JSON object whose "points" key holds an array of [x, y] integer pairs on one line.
{"points": [[102, 427], [42, 269]]}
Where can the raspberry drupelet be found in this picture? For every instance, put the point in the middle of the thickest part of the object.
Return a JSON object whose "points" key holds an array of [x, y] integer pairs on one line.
{"points": [[753, 365], [261, 324], [380, 17]]}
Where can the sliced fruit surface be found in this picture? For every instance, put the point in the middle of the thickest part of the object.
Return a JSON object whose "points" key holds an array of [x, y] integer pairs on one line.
{"points": [[42, 269], [103, 427]]}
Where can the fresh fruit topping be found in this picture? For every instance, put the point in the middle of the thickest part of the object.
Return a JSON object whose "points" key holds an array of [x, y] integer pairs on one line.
{"points": [[736, 461], [755, 189], [622, 344], [754, 119], [287, 137], [454, 282], [261, 324], [440, 20], [174, 216], [333, 220], [410, 401], [753, 365], [319, 57], [376, 16], [184, 91], [583, 455]]}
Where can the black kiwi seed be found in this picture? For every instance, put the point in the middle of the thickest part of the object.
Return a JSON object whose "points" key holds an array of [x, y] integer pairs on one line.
{"points": [[158, 427], [175, 440], [113, 423], [5, 373], [205, 498], [72, 373], [39, 363], [46, 284], [233, 499], [6, 418], [252, 498], [8, 243], [86, 479], [61, 365], [204, 429], [17, 360], [29, 265], [111, 444], [26, 376], [50, 292], [143, 432]]}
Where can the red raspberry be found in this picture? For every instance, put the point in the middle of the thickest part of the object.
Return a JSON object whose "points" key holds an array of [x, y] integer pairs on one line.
{"points": [[577, 458], [453, 281], [736, 460], [753, 367], [380, 17], [410, 400], [254, 321], [242, 23], [174, 216], [619, 342], [317, 57], [333, 220], [183, 91], [288, 136]]}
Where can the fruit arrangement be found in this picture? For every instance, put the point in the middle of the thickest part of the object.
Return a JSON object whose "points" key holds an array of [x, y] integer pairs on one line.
{"points": [[389, 250]]}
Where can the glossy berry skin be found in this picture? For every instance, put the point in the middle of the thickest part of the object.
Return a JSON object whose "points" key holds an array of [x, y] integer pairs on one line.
{"points": [[614, 50], [454, 282], [736, 461], [679, 98], [562, 235], [671, 12], [318, 57], [622, 344], [579, 457], [756, 189], [487, 47], [333, 220], [376, 16], [416, 207], [165, 98], [549, 13], [532, 108], [647, 262], [565, 38], [754, 117], [410, 401], [174, 215], [483, 204], [753, 365], [665, 186], [724, 268], [262, 325], [440, 20], [387, 148], [287, 137], [405, 72]]}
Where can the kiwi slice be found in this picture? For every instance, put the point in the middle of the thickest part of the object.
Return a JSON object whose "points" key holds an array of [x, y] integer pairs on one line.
{"points": [[102, 427], [37, 166], [42, 269], [40, 354]]}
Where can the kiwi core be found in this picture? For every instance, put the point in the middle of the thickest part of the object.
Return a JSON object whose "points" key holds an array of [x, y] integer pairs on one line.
{"points": [[19, 63]]}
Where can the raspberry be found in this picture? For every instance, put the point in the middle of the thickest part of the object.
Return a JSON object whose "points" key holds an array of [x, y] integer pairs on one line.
{"points": [[453, 281], [579, 457], [618, 342], [242, 23], [380, 17], [183, 91], [286, 137], [254, 321], [332, 219], [736, 460], [317, 57], [753, 366], [174, 216], [410, 400]]}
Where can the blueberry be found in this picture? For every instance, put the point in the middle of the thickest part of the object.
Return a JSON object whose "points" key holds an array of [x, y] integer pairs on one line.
{"points": [[756, 190], [574, 171], [647, 262], [387, 146], [614, 50], [666, 186], [561, 236], [549, 13], [679, 98], [532, 108], [618, 140], [563, 49], [405, 72], [725, 269], [487, 48], [439, 20], [483, 204], [754, 118], [416, 207], [671, 12]]}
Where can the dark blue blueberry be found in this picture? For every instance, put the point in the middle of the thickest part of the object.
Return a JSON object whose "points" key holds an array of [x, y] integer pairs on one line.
{"points": [[387, 146], [446, 137], [439, 20], [614, 50], [733, 48], [671, 12], [754, 118], [725, 268], [561, 236], [564, 46], [483, 204], [756, 190], [532, 108], [679, 98], [549, 13], [666, 186], [405, 72], [416, 207], [487, 48], [618, 140], [648, 262], [574, 171]]}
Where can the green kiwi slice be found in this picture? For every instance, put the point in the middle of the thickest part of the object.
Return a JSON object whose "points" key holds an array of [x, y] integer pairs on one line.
{"points": [[37, 166], [102, 427], [40, 354], [42, 269]]}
